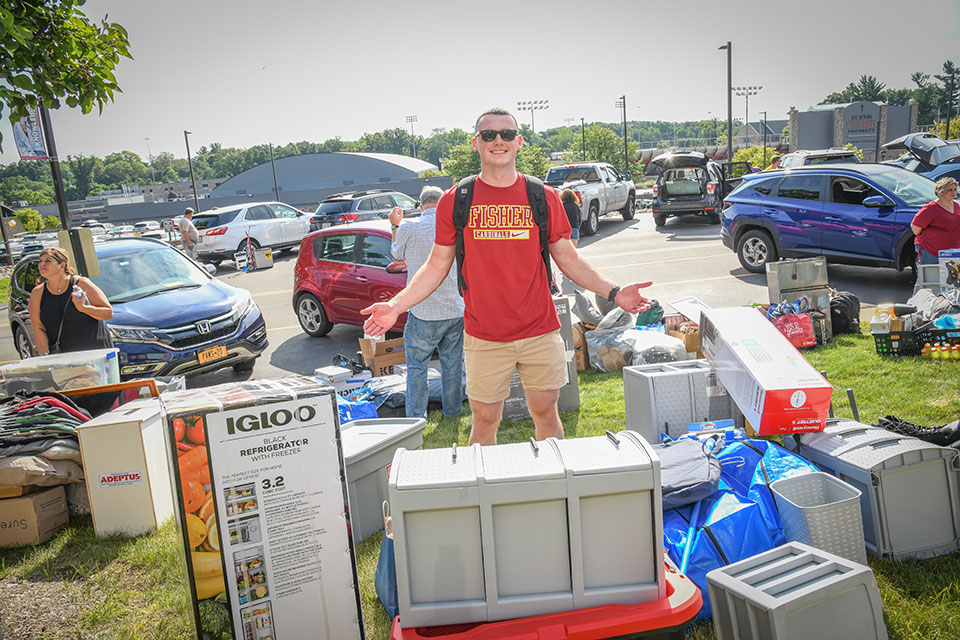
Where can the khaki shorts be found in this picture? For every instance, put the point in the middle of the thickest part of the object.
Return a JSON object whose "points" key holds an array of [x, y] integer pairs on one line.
{"points": [[490, 365]]}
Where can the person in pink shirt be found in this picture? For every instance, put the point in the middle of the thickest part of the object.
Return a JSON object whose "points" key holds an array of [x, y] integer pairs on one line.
{"points": [[937, 224]]}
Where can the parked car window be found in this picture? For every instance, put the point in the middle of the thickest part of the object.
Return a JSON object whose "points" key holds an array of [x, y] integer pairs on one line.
{"points": [[336, 248], [28, 276], [906, 185], [334, 206], [383, 202], [283, 211], [131, 276], [211, 220], [803, 187], [845, 190], [365, 205], [612, 174], [764, 187], [376, 251], [569, 174], [404, 202], [259, 212]]}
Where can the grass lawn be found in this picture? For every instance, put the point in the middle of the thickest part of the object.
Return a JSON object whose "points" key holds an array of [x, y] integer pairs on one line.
{"points": [[4, 290], [123, 588]]}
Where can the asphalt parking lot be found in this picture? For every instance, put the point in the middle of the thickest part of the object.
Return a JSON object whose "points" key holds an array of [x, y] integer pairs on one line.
{"points": [[683, 258]]}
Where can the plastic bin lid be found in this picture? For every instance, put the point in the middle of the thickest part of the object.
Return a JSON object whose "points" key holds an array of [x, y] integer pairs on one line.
{"points": [[864, 445], [361, 438], [436, 468], [52, 361], [333, 373], [603, 454], [522, 461]]}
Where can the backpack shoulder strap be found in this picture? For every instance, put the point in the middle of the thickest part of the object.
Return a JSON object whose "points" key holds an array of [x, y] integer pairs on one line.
{"points": [[537, 195], [461, 215]]}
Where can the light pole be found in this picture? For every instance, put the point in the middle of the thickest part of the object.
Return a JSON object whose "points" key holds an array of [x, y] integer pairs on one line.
{"points": [[410, 121], [276, 184], [583, 139], [150, 158], [622, 103], [729, 48], [440, 131], [764, 138], [714, 118], [746, 92], [196, 200], [531, 106]]}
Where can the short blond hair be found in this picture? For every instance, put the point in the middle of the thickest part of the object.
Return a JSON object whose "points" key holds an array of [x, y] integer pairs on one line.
{"points": [[943, 184]]}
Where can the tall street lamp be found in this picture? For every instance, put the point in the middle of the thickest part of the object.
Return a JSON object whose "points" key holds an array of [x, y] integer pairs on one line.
{"points": [[150, 158], [764, 138], [196, 200], [622, 103], [531, 106], [729, 48], [583, 139], [440, 131], [410, 121], [273, 164], [746, 92]]}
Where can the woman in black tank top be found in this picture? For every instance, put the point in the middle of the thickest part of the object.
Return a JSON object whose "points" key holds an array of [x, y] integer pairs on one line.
{"points": [[67, 312]]}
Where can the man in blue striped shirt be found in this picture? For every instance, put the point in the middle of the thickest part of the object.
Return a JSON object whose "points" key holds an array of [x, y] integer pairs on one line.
{"points": [[437, 321]]}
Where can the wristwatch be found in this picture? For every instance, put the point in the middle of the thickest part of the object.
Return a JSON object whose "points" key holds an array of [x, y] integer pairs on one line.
{"points": [[612, 296], [394, 226]]}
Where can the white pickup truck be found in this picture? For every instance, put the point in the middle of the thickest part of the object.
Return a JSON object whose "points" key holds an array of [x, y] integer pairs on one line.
{"points": [[601, 188]]}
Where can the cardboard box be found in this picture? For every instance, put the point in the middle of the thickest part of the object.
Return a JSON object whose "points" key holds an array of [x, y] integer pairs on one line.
{"points": [[15, 490], [380, 356], [949, 261], [126, 458], [34, 518], [580, 346], [774, 386], [691, 341]]}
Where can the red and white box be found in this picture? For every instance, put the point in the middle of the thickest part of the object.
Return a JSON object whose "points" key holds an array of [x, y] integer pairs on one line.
{"points": [[774, 386]]}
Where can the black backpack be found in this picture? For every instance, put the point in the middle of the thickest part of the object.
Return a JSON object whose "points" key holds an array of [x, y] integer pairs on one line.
{"points": [[537, 197]]}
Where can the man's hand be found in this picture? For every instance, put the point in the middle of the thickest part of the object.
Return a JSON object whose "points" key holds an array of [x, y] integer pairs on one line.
{"points": [[382, 317], [629, 297], [395, 216]]}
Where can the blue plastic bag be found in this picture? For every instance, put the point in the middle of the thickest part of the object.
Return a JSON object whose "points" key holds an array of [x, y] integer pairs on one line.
{"points": [[350, 411], [386, 578]]}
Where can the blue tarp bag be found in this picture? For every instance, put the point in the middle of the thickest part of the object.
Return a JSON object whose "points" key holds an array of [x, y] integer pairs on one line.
{"points": [[386, 576], [748, 467], [354, 410], [729, 528]]}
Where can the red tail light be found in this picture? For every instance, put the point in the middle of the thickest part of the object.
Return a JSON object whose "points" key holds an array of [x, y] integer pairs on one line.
{"points": [[219, 231], [711, 187], [656, 190]]}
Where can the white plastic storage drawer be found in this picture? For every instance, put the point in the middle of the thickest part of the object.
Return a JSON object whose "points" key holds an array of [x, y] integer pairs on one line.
{"points": [[368, 448], [613, 486], [526, 551], [909, 488], [435, 502], [795, 592], [665, 398]]}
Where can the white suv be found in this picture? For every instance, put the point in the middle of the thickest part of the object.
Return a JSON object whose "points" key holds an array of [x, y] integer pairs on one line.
{"points": [[223, 231]]}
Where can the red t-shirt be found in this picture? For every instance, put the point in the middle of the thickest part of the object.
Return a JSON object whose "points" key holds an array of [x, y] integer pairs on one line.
{"points": [[507, 296], [940, 228]]}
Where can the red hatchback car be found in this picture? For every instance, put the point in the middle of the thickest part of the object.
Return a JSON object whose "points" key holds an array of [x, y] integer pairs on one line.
{"points": [[342, 270]]}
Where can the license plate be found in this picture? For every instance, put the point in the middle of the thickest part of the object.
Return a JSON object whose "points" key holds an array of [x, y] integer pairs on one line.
{"points": [[211, 354]]}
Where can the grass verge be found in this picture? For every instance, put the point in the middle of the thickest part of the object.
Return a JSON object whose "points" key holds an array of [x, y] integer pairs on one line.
{"points": [[4, 290], [130, 588]]}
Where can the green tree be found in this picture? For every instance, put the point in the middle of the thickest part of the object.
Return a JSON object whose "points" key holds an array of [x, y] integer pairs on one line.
{"points": [[20, 189], [83, 169], [603, 145], [532, 161], [461, 161], [51, 51], [754, 155], [124, 167], [30, 219], [51, 222]]}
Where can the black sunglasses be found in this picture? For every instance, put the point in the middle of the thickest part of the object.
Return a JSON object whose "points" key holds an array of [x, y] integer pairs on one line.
{"points": [[489, 135]]}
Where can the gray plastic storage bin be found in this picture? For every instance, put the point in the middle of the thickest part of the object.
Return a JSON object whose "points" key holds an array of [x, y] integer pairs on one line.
{"points": [[796, 592], [822, 511], [368, 448], [909, 488], [615, 517], [667, 397]]}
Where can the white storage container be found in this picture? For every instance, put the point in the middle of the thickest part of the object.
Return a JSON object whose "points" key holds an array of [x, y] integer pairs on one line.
{"points": [[615, 519], [665, 398], [822, 511], [523, 516], [61, 371], [126, 460], [342, 379], [795, 592], [368, 448], [435, 502], [909, 488]]}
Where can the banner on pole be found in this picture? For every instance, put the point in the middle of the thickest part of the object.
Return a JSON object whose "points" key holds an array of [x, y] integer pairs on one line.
{"points": [[28, 135]]}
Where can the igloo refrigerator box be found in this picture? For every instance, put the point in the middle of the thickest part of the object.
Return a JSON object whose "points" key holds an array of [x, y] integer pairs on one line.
{"points": [[262, 487], [774, 386]]}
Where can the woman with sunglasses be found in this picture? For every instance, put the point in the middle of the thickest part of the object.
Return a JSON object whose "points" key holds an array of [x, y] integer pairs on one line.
{"points": [[67, 311]]}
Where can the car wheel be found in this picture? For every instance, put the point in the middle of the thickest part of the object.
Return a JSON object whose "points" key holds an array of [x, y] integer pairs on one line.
{"points": [[313, 319], [755, 250], [216, 261], [245, 366], [592, 223], [628, 211], [659, 220], [22, 343], [243, 245]]}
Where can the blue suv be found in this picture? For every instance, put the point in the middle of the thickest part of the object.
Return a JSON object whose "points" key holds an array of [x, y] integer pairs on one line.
{"points": [[169, 315], [850, 213]]}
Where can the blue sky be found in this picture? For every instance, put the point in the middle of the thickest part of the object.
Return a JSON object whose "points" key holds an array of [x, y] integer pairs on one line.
{"points": [[244, 73]]}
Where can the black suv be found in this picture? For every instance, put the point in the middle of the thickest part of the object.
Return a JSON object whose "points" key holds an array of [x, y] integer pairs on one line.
{"points": [[688, 183], [356, 206]]}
